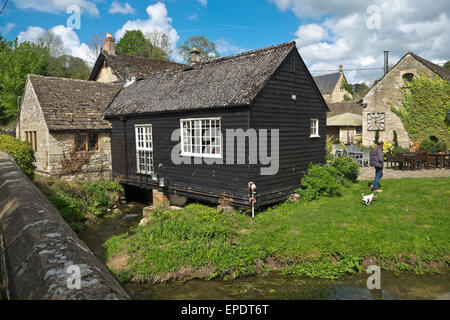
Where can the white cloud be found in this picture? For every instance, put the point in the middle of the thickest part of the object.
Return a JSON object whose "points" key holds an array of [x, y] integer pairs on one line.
{"points": [[6, 29], [116, 7], [57, 6], [339, 34], [69, 38], [203, 2], [159, 20], [310, 33], [225, 48]]}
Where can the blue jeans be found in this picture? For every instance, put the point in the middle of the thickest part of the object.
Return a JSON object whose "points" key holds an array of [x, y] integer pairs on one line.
{"points": [[378, 175]]}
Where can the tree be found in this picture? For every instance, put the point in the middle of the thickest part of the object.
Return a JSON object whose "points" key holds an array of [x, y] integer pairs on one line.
{"points": [[134, 43], [360, 90], [95, 46], [66, 66], [447, 65], [423, 109], [52, 42], [16, 62], [160, 45], [207, 48]]}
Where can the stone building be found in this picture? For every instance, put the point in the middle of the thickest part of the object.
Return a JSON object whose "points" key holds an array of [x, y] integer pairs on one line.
{"points": [[344, 121], [377, 114], [332, 86], [115, 67], [62, 120]]}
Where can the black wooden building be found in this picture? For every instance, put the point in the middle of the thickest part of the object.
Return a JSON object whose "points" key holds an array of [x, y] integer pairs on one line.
{"points": [[269, 88]]}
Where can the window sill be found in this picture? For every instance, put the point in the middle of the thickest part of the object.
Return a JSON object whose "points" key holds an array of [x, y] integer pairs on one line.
{"points": [[196, 155], [315, 136]]}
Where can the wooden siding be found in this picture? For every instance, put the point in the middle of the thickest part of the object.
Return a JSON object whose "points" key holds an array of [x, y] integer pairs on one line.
{"points": [[274, 108], [204, 181]]}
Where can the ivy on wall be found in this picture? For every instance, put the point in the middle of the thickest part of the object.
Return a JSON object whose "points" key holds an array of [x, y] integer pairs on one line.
{"points": [[423, 109]]}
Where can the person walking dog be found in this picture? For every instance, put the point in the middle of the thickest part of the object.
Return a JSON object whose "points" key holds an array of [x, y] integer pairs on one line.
{"points": [[377, 161]]}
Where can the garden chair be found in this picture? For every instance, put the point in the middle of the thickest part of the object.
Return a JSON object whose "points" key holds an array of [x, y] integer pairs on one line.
{"points": [[351, 148], [365, 160], [389, 159], [338, 150], [421, 159], [398, 159]]}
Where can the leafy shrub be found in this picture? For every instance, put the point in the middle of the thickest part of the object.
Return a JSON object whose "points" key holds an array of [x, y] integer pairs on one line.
{"points": [[21, 152], [320, 181], [433, 146], [77, 201], [347, 168], [400, 150]]}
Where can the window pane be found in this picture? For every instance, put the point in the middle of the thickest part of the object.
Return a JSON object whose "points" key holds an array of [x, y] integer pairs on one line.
{"points": [[93, 141]]}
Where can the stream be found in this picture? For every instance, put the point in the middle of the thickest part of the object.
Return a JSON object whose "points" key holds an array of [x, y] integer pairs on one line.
{"points": [[273, 286]]}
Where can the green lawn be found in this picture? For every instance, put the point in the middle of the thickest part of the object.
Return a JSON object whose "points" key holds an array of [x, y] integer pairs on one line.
{"points": [[406, 228]]}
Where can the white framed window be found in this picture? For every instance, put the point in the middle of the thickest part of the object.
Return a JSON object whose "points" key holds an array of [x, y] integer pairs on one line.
{"points": [[201, 137], [144, 149], [314, 133]]}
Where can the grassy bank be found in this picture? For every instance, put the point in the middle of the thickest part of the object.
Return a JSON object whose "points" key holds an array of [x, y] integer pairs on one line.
{"points": [[80, 202], [406, 229]]}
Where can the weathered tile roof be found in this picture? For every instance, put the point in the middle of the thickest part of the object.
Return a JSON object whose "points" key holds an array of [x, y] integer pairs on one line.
{"points": [[70, 104], [327, 82], [339, 108], [440, 71], [224, 82], [139, 67]]}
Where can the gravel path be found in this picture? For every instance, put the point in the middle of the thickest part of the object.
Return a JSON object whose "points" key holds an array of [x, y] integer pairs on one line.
{"points": [[368, 173]]}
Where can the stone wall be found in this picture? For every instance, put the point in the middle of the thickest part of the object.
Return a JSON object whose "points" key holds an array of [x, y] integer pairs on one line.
{"points": [[41, 249], [99, 161], [337, 95], [32, 119], [388, 91]]}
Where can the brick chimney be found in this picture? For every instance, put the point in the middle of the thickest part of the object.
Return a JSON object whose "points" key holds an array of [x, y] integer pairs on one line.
{"points": [[195, 56], [341, 69], [110, 44]]}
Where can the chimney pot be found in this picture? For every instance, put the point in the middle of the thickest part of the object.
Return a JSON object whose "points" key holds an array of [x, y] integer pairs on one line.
{"points": [[195, 56], [341, 68], [110, 44]]}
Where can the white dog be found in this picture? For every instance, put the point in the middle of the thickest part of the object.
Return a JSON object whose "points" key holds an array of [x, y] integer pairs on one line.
{"points": [[368, 199]]}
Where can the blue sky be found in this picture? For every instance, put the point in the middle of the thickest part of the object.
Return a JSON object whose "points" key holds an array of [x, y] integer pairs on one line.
{"points": [[328, 32]]}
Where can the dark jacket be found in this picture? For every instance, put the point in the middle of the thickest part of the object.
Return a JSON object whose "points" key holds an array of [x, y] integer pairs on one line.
{"points": [[376, 157]]}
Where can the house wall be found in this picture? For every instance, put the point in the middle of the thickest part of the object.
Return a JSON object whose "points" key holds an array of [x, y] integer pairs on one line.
{"points": [[32, 119], [388, 91], [201, 180], [106, 75], [337, 95], [275, 109], [99, 164]]}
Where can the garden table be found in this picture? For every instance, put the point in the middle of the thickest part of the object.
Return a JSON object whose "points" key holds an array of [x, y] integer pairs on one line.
{"points": [[438, 159]]}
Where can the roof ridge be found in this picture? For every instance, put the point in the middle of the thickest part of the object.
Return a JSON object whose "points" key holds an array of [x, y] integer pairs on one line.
{"points": [[199, 65], [237, 55], [107, 55], [327, 74], [70, 79]]}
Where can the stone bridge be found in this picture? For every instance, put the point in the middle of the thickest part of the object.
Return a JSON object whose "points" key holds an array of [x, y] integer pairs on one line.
{"points": [[40, 255]]}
